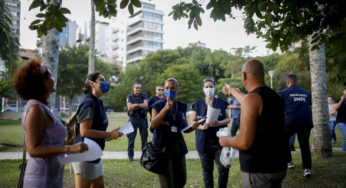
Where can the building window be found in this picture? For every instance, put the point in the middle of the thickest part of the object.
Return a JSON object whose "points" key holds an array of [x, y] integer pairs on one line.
{"points": [[153, 26], [152, 16], [14, 14], [14, 5], [148, 5]]}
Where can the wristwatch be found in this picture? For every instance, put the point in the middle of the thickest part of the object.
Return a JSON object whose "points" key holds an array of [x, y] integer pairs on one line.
{"points": [[137, 105]]}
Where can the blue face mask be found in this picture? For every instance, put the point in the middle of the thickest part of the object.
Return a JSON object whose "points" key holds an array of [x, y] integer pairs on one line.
{"points": [[105, 86], [170, 94]]}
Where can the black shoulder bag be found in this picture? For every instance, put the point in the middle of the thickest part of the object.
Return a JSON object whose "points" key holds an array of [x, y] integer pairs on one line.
{"points": [[152, 159], [22, 167]]}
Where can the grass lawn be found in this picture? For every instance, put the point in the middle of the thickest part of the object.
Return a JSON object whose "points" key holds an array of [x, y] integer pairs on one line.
{"points": [[330, 172], [11, 131]]}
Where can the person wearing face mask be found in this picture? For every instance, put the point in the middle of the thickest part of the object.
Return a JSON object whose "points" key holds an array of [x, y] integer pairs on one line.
{"points": [[168, 119], [207, 143], [92, 123]]}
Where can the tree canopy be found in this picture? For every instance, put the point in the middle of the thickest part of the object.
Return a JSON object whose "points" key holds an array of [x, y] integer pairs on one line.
{"points": [[279, 22]]}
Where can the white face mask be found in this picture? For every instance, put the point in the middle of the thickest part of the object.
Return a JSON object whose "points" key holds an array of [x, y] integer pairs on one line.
{"points": [[209, 91]]}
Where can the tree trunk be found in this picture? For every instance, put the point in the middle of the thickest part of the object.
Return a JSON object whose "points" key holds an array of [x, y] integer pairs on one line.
{"points": [[50, 58], [91, 67], [70, 105], [322, 147]]}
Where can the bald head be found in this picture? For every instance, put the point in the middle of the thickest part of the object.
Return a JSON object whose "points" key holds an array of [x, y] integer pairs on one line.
{"points": [[254, 68]]}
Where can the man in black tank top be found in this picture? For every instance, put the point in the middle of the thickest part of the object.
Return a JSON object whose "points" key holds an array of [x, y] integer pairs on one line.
{"points": [[261, 141]]}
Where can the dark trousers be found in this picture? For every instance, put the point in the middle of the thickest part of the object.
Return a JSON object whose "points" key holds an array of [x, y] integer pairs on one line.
{"points": [[235, 126], [303, 134], [174, 175], [292, 140], [207, 161], [142, 125]]}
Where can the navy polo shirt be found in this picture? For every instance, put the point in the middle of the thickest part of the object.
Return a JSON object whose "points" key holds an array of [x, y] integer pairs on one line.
{"points": [[160, 134], [99, 122], [207, 139], [235, 112], [297, 104], [151, 101], [132, 98]]}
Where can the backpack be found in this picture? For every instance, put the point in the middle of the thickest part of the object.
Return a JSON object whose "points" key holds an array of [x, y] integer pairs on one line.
{"points": [[71, 129]]}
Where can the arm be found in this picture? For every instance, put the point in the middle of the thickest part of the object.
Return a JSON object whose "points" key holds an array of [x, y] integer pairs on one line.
{"points": [[337, 105], [130, 105], [233, 106], [222, 122], [195, 125], [35, 123], [86, 131], [250, 111], [157, 117], [144, 105], [229, 90]]}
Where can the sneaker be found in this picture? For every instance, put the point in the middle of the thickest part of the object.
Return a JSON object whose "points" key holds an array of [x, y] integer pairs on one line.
{"points": [[290, 165], [130, 159], [307, 173]]}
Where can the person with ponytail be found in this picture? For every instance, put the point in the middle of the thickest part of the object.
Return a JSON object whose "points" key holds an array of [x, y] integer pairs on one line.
{"points": [[92, 123], [207, 143]]}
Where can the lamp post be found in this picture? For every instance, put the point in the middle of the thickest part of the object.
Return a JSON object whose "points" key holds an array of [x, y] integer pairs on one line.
{"points": [[271, 74]]}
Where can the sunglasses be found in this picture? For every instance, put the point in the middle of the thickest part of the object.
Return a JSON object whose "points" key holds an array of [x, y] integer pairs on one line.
{"points": [[160, 89]]}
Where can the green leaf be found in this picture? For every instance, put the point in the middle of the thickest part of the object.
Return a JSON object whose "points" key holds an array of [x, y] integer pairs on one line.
{"points": [[36, 3], [41, 15], [124, 3], [136, 3], [65, 11], [35, 22], [130, 7]]}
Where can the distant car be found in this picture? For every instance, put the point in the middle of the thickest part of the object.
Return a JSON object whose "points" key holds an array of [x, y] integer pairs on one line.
{"points": [[109, 110]]}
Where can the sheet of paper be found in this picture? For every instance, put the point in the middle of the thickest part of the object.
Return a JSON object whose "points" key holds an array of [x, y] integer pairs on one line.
{"points": [[186, 128], [127, 128], [94, 152], [212, 114]]}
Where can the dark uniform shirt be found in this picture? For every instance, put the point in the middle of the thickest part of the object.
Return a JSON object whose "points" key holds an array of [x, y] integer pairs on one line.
{"points": [[93, 108], [297, 103], [207, 139], [151, 101], [163, 135], [137, 99], [341, 115]]}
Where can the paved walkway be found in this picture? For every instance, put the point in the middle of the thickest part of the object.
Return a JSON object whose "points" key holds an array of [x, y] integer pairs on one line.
{"points": [[115, 155], [106, 155]]}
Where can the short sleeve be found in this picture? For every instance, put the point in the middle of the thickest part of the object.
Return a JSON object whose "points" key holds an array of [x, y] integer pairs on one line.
{"points": [[129, 98], [195, 106], [87, 113]]}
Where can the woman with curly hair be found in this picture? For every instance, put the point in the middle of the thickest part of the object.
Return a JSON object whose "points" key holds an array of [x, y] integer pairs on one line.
{"points": [[44, 132]]}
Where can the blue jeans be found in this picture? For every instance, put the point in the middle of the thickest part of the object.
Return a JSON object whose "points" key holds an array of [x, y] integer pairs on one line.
{"points": [[332, 130], [342, 128], [235, 126], [142, 125]]}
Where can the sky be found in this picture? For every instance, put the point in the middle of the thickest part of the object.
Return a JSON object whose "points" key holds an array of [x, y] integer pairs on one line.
{"points": [[216, 35]]}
